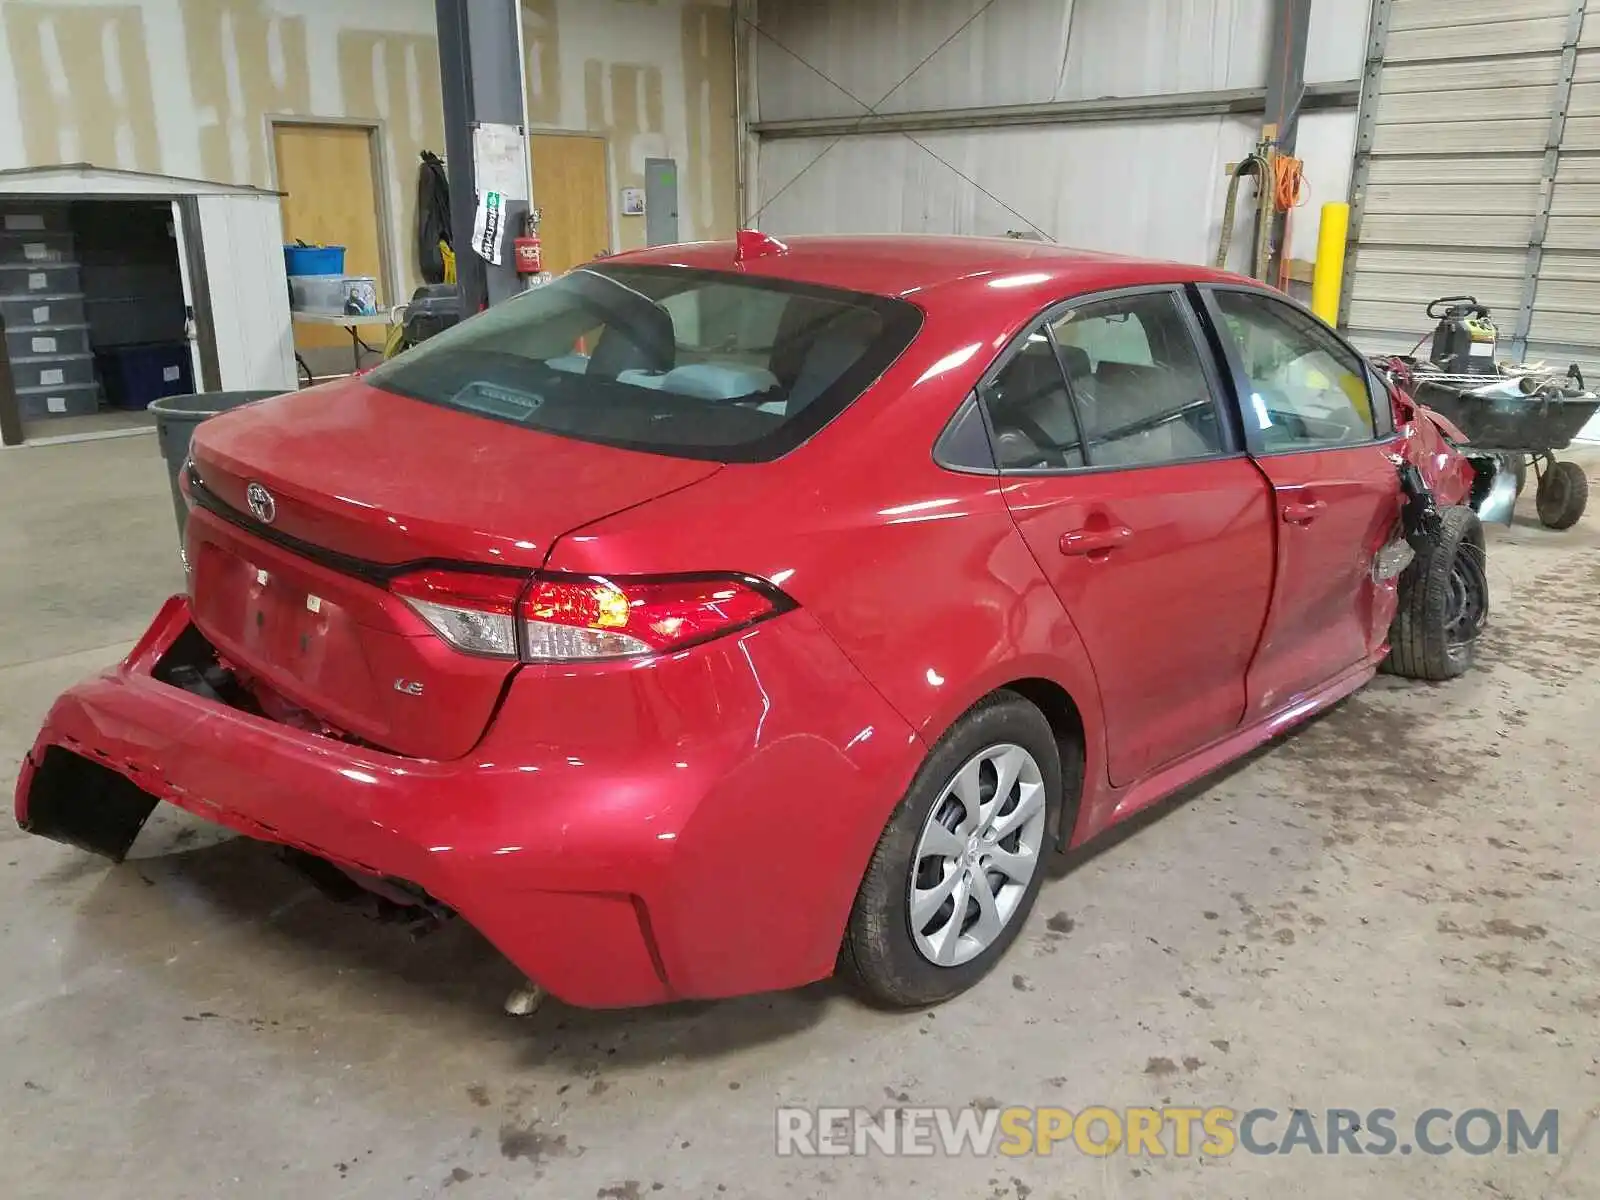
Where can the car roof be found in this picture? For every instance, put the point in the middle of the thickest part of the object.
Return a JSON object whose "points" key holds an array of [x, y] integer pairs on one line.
{"points": [[912, 266]]}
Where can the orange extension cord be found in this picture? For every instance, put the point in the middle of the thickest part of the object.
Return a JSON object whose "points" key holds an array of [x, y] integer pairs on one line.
{"points": [[1289, 192]]}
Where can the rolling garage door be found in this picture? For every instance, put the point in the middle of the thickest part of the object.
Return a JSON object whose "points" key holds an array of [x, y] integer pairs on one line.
{"points": [[1478, 172]]}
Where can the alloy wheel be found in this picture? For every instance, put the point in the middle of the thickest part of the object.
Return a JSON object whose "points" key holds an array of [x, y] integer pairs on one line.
{"points": [[977, 854]]}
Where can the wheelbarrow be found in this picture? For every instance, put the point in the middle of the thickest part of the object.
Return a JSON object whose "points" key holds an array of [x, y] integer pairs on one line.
{"points": [[1523, 418]]}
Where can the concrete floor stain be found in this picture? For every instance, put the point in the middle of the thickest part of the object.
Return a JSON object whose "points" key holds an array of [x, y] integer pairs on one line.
{"points": [[1160, 1068], [534, 1144]]}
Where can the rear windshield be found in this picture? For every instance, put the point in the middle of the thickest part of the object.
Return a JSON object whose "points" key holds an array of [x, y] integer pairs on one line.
{"points": [[695, 364]]}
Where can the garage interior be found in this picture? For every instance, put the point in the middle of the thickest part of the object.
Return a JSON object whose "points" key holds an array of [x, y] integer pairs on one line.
{"points": [[1394, 906]]}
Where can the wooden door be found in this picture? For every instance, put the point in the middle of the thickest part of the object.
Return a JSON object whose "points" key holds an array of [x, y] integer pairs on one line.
{"points": [[569, 186], [330, 198]]}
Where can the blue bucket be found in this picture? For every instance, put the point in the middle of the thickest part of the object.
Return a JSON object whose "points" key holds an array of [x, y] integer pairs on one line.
{"points": [[314, 260]]}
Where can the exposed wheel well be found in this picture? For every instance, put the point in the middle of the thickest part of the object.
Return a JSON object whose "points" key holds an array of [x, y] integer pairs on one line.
{"points": [[1066, 722]]}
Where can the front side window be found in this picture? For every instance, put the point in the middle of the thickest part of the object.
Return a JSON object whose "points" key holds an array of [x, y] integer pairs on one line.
{"points": [[1303, 388], [1138, 378], [695, 364]]}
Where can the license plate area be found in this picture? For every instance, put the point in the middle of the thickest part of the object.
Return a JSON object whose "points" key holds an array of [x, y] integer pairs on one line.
{"points": [[279, 621], [341, 647]]}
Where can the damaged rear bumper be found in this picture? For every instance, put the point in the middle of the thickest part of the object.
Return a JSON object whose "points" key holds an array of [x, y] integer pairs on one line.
{"points": [[607, 880], [115, 746]]}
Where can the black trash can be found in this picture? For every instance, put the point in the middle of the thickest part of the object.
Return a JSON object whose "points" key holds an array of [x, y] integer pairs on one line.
{"points": [[176, 417]]}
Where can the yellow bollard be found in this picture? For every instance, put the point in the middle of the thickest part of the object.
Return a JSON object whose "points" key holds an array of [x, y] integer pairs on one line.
{"points": [[1329, 277]]}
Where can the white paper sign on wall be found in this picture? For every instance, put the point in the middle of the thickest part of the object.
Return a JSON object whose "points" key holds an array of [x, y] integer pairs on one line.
{"points": [[500, 160]]}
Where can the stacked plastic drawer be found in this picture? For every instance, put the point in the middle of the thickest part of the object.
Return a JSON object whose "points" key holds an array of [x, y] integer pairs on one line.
{"points": [[41, 302]]}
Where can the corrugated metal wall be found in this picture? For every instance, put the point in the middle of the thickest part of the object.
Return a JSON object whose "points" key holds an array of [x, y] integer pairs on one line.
{"points": [[1149, 186], [1025, 51], [1140, 187], [1459, 180]]}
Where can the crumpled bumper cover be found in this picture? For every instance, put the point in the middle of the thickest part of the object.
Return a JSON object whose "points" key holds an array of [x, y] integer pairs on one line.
{"points": [[705, 842]]}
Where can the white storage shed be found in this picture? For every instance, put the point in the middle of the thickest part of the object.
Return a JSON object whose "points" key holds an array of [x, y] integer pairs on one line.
{"points": [[229, 254]]}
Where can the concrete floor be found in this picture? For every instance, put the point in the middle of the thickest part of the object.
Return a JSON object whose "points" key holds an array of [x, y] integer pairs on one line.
{"points": [[1394, 907]]}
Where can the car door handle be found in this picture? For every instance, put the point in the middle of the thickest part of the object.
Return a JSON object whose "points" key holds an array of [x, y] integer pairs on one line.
{"points": [[1303, 514], [1082, 542]]}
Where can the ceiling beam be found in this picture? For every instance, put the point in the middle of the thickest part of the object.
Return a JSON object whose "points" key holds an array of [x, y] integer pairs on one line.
{"points": [[1231, 102]]}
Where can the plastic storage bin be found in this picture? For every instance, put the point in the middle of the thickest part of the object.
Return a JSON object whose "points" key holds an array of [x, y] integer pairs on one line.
{"points": [[134, 376], [27, 216], [348, 295], [39, 279], [26, 248], [34, 341], [314, 260], [53, 371], [77, 401], [316, 293], [21, 312]]}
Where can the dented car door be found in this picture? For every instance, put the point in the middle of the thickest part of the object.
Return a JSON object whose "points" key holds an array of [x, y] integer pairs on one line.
{"points": [[1313, 428]]}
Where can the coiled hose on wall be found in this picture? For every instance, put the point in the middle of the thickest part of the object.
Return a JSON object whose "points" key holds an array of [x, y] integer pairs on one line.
{"points": [[1261, 168]]}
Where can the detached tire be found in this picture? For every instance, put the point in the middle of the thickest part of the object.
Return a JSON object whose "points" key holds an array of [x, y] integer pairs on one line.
{"points": [[941, 900], [1563, 495], [1444, 602]]}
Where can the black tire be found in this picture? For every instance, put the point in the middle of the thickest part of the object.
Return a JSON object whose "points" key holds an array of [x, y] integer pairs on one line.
{"points": [[1444, 602], [879, 956], [1563, 495]]}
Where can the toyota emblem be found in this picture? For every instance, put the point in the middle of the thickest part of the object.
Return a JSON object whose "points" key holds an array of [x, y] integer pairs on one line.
{"points": [[261, 503]]}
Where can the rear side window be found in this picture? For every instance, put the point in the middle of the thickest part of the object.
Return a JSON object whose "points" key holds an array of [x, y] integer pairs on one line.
{"points": [[1035, 426], [695, 364], [1136, 373]]}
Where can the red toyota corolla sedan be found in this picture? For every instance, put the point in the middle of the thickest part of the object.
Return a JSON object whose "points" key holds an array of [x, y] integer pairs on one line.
{"points": [[720, 616]]}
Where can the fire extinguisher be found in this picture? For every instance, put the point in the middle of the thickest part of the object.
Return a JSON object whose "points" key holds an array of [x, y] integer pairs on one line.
{"points": [[529, 255]]}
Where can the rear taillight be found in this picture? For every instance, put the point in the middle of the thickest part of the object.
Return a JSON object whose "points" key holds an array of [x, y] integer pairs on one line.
{"points": [[475, 613], [574, 618]]}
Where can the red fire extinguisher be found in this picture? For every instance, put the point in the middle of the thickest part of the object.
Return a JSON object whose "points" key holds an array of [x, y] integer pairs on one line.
{"points": [[529, 254]]}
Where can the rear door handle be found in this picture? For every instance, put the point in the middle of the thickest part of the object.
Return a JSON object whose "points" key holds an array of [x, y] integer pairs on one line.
{"points": [[1082, 542], [1303, 514]]}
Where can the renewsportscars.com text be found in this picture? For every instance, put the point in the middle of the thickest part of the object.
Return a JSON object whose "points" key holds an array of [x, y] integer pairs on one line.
{"points": [[1180, 1132]]}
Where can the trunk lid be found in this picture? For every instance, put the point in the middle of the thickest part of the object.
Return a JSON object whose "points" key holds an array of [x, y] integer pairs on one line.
{"points": [[387, 479], [358, 483]]}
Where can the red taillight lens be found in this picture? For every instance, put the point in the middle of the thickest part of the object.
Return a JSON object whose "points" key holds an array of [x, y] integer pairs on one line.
{"points": [[475, 613], [564, 619], [583, 618]]}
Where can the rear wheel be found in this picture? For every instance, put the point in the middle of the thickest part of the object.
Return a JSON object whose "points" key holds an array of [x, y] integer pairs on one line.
{"points": [[1563, 495], [1444, 603], [960, 862]]}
